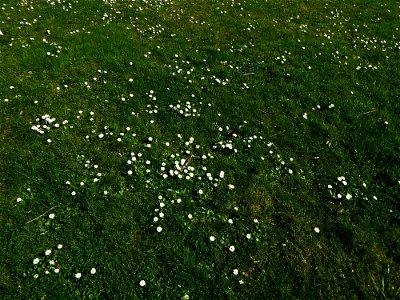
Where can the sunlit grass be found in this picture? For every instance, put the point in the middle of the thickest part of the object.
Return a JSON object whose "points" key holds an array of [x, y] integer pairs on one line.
{"points": [[199, 149]]}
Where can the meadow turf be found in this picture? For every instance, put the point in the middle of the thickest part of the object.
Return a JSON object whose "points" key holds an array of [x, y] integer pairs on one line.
{"points": [[199, 149]]}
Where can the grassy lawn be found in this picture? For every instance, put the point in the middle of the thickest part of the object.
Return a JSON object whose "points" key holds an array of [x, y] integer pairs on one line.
{"points": [[199, 149]]}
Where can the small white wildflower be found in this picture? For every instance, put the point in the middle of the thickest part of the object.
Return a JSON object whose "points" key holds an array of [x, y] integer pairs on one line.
{"points": [[48, 252], [248, 236], [59, 246], [221, 174], [212, 238], [93, 271], [255, 220], [78, 275], [51, 216], [36, 261], [235, 271], [241, 281], [56, 270], [73, 193], [36, 276], [190, 216], [230, 221], [329, 186], [232, 248], [316, 229], [231, 186], [201, 192], [348, 196], [159, 229], [19, 199], [142, 283], [130, 172]]}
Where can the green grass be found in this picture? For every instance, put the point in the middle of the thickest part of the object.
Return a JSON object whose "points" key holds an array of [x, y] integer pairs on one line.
{"points": [[296, 102]]}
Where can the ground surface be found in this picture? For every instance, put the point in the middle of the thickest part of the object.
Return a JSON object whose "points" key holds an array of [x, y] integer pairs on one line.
{"points": [[199, 149]]}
